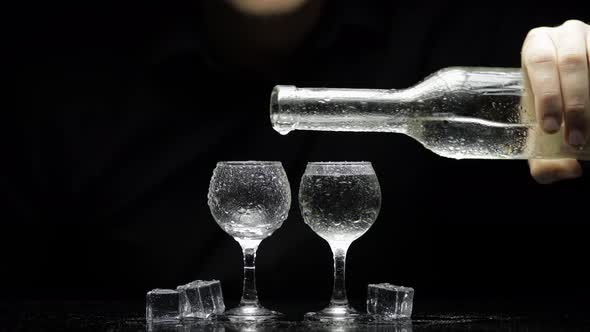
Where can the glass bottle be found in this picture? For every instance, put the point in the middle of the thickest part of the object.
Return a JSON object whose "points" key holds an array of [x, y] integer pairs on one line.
{"points": [[457, 112]]}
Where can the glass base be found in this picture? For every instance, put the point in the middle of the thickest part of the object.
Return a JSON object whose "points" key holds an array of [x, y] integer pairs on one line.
{"points": [[251, 314], [334, 314]]}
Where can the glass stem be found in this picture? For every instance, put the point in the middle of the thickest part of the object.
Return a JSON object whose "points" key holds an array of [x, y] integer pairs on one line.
{"points": [[339, 291], [249, 295]]}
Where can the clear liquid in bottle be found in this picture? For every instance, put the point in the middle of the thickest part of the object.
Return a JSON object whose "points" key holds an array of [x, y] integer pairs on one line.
{"points": [[475, 113]]}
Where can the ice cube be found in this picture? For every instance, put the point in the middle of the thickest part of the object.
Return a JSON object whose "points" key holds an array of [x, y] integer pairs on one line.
{"points": [[162, 305], [389, 301], [201, 299], [218, 297]]}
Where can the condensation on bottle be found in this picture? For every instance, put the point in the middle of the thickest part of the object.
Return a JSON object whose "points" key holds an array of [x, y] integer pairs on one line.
{"points": [[457, 112]]}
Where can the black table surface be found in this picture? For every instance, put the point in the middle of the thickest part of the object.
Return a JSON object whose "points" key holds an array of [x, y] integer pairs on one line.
{"points": [[532, 315]]}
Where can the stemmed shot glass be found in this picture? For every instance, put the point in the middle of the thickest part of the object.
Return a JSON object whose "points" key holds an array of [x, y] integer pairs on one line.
{"points": [[249, 200], [339, 201]]}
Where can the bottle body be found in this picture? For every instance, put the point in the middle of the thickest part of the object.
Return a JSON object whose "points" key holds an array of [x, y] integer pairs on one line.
{"points": [[458, 112]]}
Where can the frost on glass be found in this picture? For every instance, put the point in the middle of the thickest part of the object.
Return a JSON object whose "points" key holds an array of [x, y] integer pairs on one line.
{"points": [[249, 200], [339, 201]]}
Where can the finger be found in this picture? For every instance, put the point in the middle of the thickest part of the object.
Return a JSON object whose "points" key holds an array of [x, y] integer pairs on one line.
{"points": [[540, 60], [549, 171], [572, 62]]}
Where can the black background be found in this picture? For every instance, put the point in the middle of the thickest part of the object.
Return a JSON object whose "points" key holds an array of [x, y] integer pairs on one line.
{"points": [[118, 124]]}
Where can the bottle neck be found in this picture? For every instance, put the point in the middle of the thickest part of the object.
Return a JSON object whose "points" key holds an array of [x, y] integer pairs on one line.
{"points": [[330, 109]]}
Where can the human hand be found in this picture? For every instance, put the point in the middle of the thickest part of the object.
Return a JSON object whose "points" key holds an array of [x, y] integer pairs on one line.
{"points": [[555, 63]]}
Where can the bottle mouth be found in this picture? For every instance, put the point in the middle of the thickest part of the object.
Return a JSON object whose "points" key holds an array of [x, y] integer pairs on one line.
{"points": [[281, 121]]}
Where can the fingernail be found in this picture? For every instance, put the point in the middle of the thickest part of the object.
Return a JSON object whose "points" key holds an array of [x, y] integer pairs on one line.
{"points": [[550, 124], [576, 138]]}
